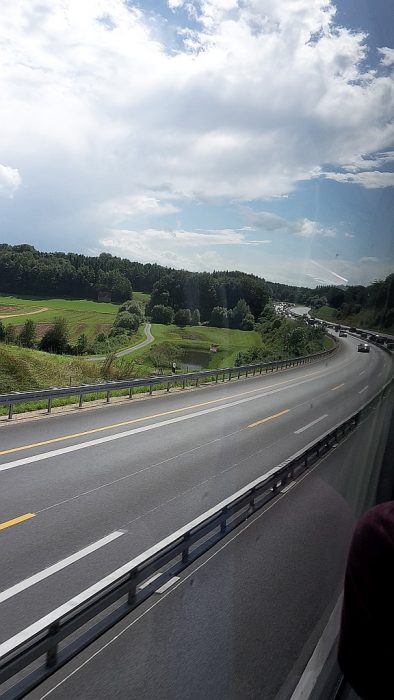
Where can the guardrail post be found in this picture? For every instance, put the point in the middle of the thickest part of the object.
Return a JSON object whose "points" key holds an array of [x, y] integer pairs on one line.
{"points": [[108, 397], [49, 409], [168, 387], [51, 658], [239, 374], [260, 369], [223, 377], [246, 372], [223, 526], [80, 401], [131, 393], [133, 588], [185, 553], [229, 376], [183, 384], [217, 377], [10, 411], [254, 371]]}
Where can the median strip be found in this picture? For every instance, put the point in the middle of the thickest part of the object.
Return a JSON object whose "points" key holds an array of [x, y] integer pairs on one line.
{"points": [[15, 521], [264, 420]]}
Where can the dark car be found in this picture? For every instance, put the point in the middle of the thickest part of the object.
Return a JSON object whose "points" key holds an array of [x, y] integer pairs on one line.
{"points": [[342, 334], [380, 339], [352, 329], [372, 337], [363, 347], [363, 334]]}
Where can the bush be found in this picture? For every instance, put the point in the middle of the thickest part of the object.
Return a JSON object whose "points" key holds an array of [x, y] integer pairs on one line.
{"points": [[196, 318], [219, 317], [162, 314], [56, 338], [28, 335], [183, 317], [127, 320], [2, 332]]}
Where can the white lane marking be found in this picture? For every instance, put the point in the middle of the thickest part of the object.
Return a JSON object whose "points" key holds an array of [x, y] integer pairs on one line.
{"points": [[142, 429], [364, 389], [41, 575], [288, 487], [167, 585], [305, 427], [363, 372]]}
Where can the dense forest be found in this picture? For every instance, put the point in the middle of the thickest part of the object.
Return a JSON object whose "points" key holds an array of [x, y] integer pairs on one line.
{"points": [[25, 270]]}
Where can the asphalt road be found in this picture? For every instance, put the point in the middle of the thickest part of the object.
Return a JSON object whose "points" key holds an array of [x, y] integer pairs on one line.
{"points": [[149, 338], [85, 492]]}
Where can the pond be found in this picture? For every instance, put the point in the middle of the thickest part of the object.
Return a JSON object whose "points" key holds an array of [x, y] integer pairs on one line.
{"points": [[194, 359]]}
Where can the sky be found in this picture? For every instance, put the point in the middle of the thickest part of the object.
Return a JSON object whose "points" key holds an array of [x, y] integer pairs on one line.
{"points": [[255, 135]]}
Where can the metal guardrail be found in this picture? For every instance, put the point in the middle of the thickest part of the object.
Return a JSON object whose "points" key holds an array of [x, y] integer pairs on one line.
{"points": [[66, 631], [167, 381]]}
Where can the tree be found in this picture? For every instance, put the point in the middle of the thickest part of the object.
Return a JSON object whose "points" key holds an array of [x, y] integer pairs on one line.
{"points": [[28, 335], [133, 307], [247, 323], [56, 338], [295, 341], [183, 317], [82, 344], [238, 314], [10, 334], [162, 314], [2, 332], [219, 317], [196, 319], [128, 321]]}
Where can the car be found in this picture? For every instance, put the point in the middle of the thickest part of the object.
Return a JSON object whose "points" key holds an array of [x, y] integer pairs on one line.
{"points": [[372, 337], [363, 334], [379, 339], [352, 329], [342, 334], [337, 327], [363, 347]]}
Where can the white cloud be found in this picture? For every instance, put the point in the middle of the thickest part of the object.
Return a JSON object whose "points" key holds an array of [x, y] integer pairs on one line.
{"points": [[368, 259], [10, 180], [305, 228], [349, 235], [370, 180], [387, 56], [116, 111]]}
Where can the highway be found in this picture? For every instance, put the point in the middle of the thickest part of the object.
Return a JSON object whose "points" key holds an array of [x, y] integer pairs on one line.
{"points": [[86, 491]]}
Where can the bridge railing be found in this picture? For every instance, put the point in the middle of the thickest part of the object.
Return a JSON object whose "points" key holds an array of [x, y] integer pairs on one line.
{"points": [[166, 381], [32, 655]]}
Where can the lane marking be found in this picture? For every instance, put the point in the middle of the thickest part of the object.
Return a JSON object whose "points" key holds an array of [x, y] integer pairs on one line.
{"points": [[305, 427], [61, 438], [288, 487], [15, 521], [363, 372], [338, 387], [364, 389], [142, 429], [149, 581], [41, 575], [264, 420]]}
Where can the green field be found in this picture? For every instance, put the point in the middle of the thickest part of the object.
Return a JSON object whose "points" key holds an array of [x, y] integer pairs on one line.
{"points": [[189, 341], [82, 315]]}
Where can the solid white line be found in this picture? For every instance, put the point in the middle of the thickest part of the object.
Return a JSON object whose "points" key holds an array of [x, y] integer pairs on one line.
{"points": [[301, 430], [143, 429], [41, 575], [149, 581], [363, 372], [362, 390]]}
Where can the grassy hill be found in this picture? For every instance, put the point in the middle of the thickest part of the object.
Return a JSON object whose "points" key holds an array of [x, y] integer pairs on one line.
{"points": [[364, 319]]}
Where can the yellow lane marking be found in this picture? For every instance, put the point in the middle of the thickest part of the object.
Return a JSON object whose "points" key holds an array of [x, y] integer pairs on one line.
{"points": [[337, 387], [15, 521], [71, 436], [264, 420]]}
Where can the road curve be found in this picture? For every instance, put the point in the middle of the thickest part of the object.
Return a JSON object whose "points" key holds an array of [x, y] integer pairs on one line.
{"points": [[83, 493], [121, 353]]}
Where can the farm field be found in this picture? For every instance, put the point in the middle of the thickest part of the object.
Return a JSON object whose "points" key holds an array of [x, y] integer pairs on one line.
{"points": [[82, 315]]}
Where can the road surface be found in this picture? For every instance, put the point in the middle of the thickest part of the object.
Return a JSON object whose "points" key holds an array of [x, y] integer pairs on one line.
{"points": [[85, 492]]}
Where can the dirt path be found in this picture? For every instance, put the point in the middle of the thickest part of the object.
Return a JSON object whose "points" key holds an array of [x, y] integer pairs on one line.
{"points": [[25, 313]]}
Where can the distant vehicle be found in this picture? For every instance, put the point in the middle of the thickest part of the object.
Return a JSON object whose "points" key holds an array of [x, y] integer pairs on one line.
{"points": [[380, 339], [372, 337], [363, 334], [342, 334], [363, 347], [352, 329], [337, 327]]}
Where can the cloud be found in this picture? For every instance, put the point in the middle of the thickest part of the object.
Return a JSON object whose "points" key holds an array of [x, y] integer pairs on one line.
{"points": [[368, 259], [349, 235], [387, 56], [305, 228], [10, 180], [370, 180], [127, 239], [123, 209]]}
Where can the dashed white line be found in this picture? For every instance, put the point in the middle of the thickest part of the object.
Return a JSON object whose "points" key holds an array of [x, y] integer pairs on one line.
{"points": [[41, 575], [363, 372], [305, 427], [364, 389]]}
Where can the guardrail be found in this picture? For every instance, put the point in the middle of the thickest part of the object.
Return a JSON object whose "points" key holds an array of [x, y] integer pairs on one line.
{"points": [[66, 631], [167, 381]]}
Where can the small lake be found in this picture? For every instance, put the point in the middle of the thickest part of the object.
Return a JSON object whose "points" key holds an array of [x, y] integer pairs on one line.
{"points": [[194, 359]]}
